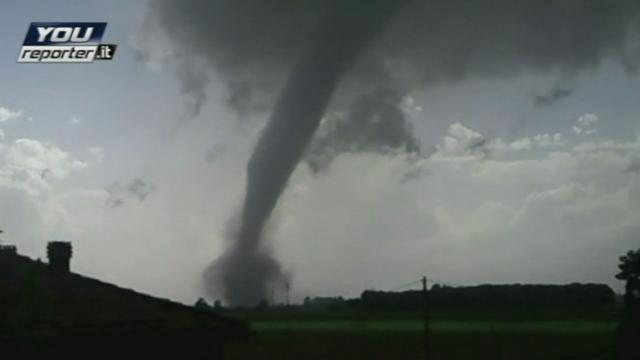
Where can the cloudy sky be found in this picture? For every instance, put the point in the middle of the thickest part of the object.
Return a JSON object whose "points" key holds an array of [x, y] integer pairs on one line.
{"points": [[532, 177]]}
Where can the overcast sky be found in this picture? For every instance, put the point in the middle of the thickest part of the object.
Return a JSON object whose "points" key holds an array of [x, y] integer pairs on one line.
{"points": [[111, 157]]}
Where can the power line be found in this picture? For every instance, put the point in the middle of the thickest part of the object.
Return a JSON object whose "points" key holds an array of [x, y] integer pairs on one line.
{"points": [[427, 318], [429, 281], [410, 284]]}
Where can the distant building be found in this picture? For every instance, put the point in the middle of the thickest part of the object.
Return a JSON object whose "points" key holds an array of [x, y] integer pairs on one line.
{"points": [[48, 312]]}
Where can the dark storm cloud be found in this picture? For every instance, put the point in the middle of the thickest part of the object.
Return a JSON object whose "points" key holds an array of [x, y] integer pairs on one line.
{"points": [[254, 44], [634, 165], [214, 153], [375, 122], [553, 96], [291, 55], [194, 81], [137, 189]]}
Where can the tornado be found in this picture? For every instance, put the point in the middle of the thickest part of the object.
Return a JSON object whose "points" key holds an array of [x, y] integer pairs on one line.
{"points": [[246, 270], [300, 59]]}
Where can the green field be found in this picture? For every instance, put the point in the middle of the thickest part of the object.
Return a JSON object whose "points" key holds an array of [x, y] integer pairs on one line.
{"points": [[478, 334], [413, 326]]}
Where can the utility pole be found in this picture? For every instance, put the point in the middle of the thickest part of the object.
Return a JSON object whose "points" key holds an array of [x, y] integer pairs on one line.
{"points": [[288, 308], [287, 288], [272, 298], [427, 318]]}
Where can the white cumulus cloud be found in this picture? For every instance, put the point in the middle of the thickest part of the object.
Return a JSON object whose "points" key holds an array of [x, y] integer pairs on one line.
{"points": [[585, 124], [7, 114], [44, 158]]}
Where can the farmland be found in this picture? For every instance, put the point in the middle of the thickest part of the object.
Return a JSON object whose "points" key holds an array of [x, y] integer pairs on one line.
{"points": [[455, 334]]}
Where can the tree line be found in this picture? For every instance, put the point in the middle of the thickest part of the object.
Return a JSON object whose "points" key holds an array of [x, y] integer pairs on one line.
{"points": [[516, 295]]}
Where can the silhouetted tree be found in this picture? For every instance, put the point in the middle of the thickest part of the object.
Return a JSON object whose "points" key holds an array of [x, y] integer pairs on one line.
{"points": [[323, 302], [630, 273], [263, 304], [515, 295], [217, 304], [629, 330], [202, 304]]}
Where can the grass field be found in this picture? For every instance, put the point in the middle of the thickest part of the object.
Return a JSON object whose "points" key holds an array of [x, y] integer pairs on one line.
{"points": [[416, 326], [504, 334]]}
